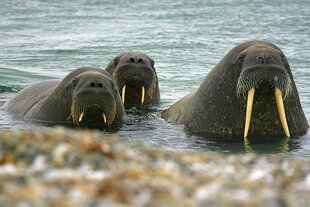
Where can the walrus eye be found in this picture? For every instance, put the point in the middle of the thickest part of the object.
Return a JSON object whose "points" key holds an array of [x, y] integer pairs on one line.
{"points": [[283, 58], [112, 84], [74, 82], [241, 57]]}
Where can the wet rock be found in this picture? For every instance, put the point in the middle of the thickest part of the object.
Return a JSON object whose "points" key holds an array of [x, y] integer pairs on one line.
{"points": [[61, 167]]}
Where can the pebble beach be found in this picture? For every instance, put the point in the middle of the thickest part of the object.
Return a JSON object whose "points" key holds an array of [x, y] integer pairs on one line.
{"points": [[62, 167]]}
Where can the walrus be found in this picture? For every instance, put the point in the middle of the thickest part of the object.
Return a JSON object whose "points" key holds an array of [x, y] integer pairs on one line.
{"points": [[86, 96], [136, 78], [224, 105]]}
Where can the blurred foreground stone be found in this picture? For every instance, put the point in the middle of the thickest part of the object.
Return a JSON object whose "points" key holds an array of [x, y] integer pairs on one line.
{"points": [[61, 167]]}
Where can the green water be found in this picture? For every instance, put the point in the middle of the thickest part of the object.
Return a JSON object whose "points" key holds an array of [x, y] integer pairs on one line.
{"points": [[48, 39]]}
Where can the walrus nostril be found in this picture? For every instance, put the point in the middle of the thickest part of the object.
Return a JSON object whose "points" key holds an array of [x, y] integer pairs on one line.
{"points": [[132, 59], [92, 84], [100, 85], [269, 59], [260, 60], [140, 60]]}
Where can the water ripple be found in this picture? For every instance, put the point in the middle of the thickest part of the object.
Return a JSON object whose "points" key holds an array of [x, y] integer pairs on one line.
{"points": [[48, 39]]}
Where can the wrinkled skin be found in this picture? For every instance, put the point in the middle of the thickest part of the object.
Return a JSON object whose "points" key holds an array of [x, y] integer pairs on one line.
{"points": [[135, 70], [219, 106], [86, 96]]}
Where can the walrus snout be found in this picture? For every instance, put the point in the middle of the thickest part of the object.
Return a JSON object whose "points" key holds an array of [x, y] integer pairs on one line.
{"points": [[260, 77], [134, 75], [96, 114], [135, 80], [93, 109], [262, 63]]}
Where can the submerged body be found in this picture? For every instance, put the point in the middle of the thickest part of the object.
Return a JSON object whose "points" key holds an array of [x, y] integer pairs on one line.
{"points": [[136, 78], [219, 107], [86, 96]]}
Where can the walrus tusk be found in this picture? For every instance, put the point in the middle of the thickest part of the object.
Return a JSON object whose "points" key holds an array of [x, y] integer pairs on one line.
{"points": [[81, 117], [123, 93], [248, 111], [279, 100], [104, 118], [143, 94]]}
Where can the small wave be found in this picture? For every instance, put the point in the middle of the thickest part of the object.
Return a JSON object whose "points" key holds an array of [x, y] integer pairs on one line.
{"points": [[13, 80], [10, 89], [61, 51]]}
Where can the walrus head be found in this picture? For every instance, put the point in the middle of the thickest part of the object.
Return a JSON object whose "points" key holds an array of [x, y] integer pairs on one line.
{"points": [[263, 71], [94, 99], [136, 78]]}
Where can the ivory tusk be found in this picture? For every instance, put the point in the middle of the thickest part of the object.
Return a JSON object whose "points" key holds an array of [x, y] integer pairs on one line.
{"points": [[81, 117], [104, 118], [248, 111], [143, 94], [123, 93], [279, 100]]}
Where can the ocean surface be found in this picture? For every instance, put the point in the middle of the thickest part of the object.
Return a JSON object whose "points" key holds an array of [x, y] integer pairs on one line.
{"points": [[47, 39]]}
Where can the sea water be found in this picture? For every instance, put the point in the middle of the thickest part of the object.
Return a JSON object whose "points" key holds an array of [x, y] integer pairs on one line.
{"points": [[47, 39]]}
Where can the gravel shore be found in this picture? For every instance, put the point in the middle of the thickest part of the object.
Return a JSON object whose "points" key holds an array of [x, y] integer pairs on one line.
{"points": [[62, 167]]}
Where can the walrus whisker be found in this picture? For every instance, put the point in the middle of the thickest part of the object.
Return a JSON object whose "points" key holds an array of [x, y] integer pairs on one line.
{"points": [[70, 116], [245, 83], [248, 80], [77, 111]]}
